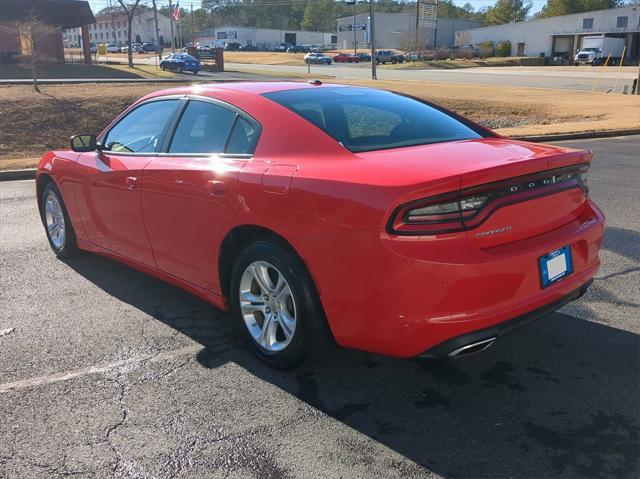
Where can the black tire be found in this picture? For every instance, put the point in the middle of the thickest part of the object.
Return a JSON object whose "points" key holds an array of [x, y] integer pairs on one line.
{"points": [[195, 72], [179, 69], [311, 332], [162, 68], [69, 248]]}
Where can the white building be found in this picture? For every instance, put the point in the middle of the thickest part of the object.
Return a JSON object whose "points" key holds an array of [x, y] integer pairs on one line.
{"points": [[560, 36], [261, 37], [113, 29], [398, 30]]}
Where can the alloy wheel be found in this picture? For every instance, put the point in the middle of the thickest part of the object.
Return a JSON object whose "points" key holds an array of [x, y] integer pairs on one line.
{"points": [[54, 218], [267, 306]]}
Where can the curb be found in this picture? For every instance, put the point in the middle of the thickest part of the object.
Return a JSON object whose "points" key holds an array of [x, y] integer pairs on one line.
{"points": [[30, 174], [586, 135], [11, 175]]}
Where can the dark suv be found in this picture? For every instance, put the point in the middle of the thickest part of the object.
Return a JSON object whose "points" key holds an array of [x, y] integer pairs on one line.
{"points": [[388, 56]]}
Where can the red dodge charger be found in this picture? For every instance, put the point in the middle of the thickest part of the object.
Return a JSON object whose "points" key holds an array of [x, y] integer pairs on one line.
{"points": [[310, 210]]}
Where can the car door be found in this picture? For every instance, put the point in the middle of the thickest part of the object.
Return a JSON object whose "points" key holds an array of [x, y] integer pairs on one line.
{"points": [[111, 180], [189, 190]]}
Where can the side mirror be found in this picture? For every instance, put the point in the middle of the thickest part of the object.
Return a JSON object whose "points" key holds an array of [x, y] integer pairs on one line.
{"points": [[84, 143]]}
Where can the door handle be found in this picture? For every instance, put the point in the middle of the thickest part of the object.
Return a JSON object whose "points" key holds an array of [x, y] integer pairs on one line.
{"points": [[131, 182], [215, 187]]}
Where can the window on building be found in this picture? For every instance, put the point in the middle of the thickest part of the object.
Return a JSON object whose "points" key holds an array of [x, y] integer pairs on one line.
{"points": [[587, 23], [622, 22]]}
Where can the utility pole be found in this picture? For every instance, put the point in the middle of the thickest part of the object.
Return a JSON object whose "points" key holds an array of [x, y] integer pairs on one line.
{"points": [[353, 25], [417, 23], [193, 37], [157, 39], [372, 39], [173, 38]]}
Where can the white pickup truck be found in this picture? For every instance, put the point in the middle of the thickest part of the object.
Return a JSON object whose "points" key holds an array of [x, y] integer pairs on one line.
{"points": [[595, 50]]}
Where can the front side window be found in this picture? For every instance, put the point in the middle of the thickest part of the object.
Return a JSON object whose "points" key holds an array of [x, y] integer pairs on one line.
{"points": [[203, 128], [365, 119], [140, 131]]}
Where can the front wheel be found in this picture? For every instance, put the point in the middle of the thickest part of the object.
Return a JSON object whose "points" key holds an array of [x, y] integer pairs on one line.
{"points": [[275, 305], [179, 69], [55, 219]]}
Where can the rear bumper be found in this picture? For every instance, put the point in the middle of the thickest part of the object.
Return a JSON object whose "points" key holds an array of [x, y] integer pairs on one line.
{"points": [[404, 296], [449, 347]]}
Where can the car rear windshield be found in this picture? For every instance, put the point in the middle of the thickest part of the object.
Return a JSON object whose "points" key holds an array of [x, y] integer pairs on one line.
{"points": [[364, 119]]}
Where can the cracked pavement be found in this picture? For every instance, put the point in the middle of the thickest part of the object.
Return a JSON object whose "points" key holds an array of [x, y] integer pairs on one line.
{"points": [[107, 372]]}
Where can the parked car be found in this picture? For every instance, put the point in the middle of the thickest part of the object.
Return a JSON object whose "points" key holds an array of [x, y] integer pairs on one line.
{"points": [[249, 48], [363, 57], [151, 47], [298, 49], [181, 62], [372, 217], [346, 58], [317, 59], [111, 47], [412, 56], [232, 46], [389, 56], [136, 48], [282, 47]]}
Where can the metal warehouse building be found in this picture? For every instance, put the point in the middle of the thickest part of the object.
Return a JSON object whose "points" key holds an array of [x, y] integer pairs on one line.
{"points": [[561, 36], [398, 30], [261, 37]]}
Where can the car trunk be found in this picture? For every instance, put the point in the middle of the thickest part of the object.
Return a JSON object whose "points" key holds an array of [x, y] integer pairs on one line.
{"points": [[531, 188]]}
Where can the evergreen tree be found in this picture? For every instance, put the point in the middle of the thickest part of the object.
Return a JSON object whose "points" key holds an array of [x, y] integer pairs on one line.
{"points": [[507, 11]]}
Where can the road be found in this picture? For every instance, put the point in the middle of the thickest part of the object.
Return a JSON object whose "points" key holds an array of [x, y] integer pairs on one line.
{"points": [[582, 79], [106, 372]]}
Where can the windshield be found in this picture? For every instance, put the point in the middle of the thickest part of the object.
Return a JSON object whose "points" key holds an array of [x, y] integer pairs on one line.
{"points": [[365, 120]]}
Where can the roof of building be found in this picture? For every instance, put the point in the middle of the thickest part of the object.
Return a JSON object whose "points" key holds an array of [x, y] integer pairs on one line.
{"points": [[617, 10], [226, 27], [60, 13]]}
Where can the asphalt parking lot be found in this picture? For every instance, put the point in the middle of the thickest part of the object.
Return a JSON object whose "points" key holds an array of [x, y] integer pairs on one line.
{"points": [[106, 372]]}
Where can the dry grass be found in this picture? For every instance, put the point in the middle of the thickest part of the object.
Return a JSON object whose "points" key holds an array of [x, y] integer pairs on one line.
{"points": [[265, 58], [80, 70], [42, 122]]}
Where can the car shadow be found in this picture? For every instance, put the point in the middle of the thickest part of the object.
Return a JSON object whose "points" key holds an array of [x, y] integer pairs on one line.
{"points": [[559, 398]]}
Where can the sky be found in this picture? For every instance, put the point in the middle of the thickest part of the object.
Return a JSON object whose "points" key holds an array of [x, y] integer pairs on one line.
{"points": [[477, 4]]}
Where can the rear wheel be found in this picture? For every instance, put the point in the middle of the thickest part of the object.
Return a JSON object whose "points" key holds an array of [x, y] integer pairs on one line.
{"points": [[55, 218], [275, 305], [179, 69]]}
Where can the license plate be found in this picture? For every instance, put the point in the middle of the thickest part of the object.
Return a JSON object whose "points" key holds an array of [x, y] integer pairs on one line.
{"points": [[555, 265]]}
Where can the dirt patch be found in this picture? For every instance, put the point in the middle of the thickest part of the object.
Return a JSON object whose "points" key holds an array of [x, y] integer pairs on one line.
{"points": [[265, 58], [40, 122], [80, 70]]}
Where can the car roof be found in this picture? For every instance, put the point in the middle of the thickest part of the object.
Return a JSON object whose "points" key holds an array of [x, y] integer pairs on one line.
{"points": [[252, 88]]}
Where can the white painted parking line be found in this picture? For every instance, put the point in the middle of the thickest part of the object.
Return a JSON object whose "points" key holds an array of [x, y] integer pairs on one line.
{"points": [[66, 376]]}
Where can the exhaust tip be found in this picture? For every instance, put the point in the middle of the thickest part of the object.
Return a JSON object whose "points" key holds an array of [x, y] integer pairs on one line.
{"points": [[472, 348]]}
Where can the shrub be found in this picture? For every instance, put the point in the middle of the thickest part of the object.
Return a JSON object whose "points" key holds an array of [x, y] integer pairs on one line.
{"points": [[503, 49], [486, 49]]}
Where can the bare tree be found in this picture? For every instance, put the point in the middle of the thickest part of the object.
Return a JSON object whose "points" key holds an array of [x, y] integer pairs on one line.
{"points": [[130, 11], [31, 30]]}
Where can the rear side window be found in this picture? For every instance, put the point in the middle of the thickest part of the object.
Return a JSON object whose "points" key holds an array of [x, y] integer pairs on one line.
{"points": [[243, 139], [141, 129], [203, 128], [365, 119]]}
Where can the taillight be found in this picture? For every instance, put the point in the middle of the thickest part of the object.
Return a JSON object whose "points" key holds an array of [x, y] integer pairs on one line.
{"points": [[469, 208]]}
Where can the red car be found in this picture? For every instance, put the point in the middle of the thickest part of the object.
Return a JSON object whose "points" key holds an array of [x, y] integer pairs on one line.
{"points": [[346, 58], [393, 224]]}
